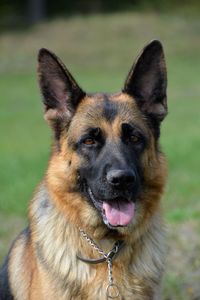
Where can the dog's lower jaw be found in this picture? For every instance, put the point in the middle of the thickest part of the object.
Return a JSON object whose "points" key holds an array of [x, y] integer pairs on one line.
{"points": [[103, 208]]}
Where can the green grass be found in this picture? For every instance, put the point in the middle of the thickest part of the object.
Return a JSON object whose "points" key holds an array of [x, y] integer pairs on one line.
{"points": [[24, 142], [99, 51]]}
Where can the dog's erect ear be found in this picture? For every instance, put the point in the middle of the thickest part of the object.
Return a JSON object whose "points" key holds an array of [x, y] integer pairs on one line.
{"points": [[147, 81], [61, 93]]}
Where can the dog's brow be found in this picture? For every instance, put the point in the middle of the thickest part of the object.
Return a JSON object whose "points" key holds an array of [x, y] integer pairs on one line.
{"points": [[110, 109]]}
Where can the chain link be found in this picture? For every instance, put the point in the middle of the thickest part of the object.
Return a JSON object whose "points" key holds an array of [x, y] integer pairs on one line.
{"points": [[92, 243], [110, 276], [111, 287]]}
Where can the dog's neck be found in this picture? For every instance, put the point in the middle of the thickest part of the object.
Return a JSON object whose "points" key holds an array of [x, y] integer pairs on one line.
{"points": [[104, 256], [57, 243]]}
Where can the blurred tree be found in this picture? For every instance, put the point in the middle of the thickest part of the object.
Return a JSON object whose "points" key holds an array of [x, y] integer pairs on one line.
{"points": [[21, 12], [37, 10]]}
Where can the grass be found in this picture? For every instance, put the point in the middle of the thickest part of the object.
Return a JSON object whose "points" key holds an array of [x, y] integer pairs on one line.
{"points": [[99, 51]]}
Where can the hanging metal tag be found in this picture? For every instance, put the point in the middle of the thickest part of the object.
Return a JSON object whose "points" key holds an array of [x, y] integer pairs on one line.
{"points": [[112, 291]]}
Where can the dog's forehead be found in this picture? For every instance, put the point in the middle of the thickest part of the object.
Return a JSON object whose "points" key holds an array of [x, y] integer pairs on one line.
{"points": [[108, 112], [109, 107]]}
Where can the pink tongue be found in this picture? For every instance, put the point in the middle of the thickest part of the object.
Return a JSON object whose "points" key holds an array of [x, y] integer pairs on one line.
{"points": [[119, 213]]}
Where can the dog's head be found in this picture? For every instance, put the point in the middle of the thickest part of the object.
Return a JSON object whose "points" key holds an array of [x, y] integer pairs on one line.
{"points": [[106, 168]]}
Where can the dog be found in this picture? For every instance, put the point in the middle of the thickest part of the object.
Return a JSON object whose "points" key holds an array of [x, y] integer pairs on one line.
{"points": [[95, 222]]}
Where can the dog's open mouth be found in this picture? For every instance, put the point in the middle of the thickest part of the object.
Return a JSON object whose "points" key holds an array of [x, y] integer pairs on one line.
{"points": [[116, 212]]}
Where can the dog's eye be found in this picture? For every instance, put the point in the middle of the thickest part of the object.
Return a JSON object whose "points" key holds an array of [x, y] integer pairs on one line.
{"points": [[89, 141], [135, 139]]}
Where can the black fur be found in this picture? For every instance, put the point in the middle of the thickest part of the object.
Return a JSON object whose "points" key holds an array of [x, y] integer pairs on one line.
{"points": [[110, 109], [5, 291], [105, 157], [59, 88], [147, 82]]}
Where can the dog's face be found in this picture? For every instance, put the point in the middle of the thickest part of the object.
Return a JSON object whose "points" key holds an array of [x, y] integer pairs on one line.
{"points": [[106, 146], [110, 141]]}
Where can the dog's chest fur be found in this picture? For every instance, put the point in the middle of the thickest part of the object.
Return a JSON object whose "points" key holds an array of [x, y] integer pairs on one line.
{"points": [[136, 270]]}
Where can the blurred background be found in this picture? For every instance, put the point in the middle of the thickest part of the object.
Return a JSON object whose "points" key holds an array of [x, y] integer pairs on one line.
{"points": [[98, 41]]}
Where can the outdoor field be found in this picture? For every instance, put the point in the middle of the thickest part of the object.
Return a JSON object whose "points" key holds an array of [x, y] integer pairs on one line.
{"points": [[99, 51]]}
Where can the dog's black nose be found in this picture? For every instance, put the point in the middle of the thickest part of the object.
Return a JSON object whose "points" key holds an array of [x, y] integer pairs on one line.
{"points": [[120, 178]]}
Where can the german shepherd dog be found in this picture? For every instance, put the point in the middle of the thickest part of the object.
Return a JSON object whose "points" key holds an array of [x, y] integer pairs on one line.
{"points": [[95, 223]]}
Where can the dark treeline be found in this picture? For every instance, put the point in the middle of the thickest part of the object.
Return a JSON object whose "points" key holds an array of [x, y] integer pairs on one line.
{"points": [[32, 11]]}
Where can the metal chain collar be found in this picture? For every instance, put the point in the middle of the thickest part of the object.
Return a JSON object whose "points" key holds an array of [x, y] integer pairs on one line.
{"points": [[112, 290]]}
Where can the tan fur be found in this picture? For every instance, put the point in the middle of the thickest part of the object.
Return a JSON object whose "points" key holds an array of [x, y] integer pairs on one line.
{"points": [[46, 267]]}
